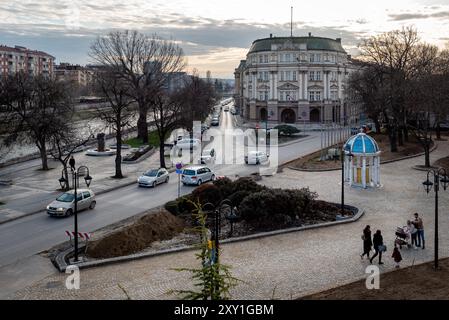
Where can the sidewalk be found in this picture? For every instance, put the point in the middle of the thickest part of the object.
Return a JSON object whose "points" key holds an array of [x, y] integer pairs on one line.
{"points": [[25, 189], [284, 266]]}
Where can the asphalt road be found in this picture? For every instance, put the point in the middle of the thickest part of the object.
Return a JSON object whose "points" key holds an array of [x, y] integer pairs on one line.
{"points": [[30, 235]]}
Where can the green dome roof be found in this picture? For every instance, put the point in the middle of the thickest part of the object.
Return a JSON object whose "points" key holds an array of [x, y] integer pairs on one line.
{"points": [[313, 43]]}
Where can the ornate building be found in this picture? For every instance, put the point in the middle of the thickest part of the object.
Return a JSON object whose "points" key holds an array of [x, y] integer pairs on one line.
{"points": [[293, 80]]}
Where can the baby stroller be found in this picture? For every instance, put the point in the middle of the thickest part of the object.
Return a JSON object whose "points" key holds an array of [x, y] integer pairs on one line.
{"points": [[403, 237]]}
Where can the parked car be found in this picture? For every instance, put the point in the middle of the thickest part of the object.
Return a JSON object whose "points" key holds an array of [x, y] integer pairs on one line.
{"points": [[208, 156], [226, 109], [215, 122], [188, 143], [64, 205], [197, 175], [153, 177], [256, 157]]}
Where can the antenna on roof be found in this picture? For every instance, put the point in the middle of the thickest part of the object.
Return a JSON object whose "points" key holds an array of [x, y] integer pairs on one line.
{"points": [[291, 21]]}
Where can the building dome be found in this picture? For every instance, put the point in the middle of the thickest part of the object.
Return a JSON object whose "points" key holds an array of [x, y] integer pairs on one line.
{"points": [[361, 144], [312, 43]]}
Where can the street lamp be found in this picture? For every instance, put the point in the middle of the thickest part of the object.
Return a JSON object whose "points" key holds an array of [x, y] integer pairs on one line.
{"points": [[232, 217], [75, 182], [342, 156], [439, 176]]}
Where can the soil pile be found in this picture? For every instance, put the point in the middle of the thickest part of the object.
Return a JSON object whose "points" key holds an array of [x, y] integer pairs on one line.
{"points": [[136, 236]]}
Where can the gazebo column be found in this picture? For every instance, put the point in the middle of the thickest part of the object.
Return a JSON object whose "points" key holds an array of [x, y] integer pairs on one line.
{"points": [[378, 170], [364, 172], [351, 171]]}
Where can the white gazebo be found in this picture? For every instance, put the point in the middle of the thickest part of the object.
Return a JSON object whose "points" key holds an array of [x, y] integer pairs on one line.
{"points": [[362, 161]]}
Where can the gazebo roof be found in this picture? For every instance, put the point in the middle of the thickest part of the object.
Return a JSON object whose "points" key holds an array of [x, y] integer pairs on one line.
{"points": [[361, 143]]}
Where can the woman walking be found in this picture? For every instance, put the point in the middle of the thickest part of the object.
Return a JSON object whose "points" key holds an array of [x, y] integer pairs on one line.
{"points": [[378, 243], [367, 241]]}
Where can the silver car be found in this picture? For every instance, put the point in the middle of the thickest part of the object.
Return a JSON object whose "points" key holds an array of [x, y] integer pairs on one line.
{"points": [[153, 177], [64, 205], [197, 175]]}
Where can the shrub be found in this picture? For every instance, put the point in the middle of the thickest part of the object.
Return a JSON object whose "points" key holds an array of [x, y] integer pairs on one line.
{"points": [[237, 197], [286, 130], [246, 184], [225, 185], [172, 207], [275, 207], [207, 193]]}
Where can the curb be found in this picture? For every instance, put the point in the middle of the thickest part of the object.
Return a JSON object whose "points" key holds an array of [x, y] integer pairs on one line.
{"points": [[381, 162], [61, 264], [96, 193]]}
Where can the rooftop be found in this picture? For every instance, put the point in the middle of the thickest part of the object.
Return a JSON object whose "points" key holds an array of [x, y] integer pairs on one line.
{"points": [[312, 43]]}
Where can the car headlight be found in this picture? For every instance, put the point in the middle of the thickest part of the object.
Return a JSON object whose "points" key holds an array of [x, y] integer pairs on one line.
{"points": [[60, 209], [48, 207]]}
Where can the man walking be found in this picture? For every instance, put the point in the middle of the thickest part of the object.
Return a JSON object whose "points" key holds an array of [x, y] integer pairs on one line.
{"points": [[72, 163], [420, 230]]}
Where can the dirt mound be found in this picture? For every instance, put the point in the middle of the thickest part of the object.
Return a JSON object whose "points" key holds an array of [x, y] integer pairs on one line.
{"points": [[136, 236]]}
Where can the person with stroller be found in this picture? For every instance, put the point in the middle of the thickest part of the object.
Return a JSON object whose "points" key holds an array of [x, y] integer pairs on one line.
{"points": [[367, 241], [420, 230], [379, 247], [413, 233]]}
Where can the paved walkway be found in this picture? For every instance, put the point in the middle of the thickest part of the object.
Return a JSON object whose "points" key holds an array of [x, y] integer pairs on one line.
{"points": [[284, 266]]}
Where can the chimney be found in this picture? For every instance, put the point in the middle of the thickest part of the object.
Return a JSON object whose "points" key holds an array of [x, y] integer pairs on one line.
{"points": [[310, 34], [271, 35], [338, 40]]}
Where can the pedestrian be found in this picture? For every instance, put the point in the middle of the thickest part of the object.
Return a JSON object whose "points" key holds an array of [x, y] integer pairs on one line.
{"points": [[72, 163], [413, 233], [419, 225], [378, 243], [367, 241], [396, 256]]}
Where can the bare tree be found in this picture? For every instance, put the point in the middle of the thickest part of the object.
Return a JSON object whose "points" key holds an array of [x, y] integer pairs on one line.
{"points": [[63, 144], [37, 108], [119, 113], [391, 56], [144, 62]]}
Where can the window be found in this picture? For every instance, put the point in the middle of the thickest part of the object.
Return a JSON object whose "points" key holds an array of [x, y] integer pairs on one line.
{"points": [[333, 76], [315, 75], [86, 194], [287, 57], [314, 95], [294, 75], [263, 95], [261, 59], [334, 95], [288, 75], [265, 58]]}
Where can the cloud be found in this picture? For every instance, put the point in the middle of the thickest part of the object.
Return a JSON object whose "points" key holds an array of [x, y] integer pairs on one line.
{"points": [[413, 16], [209, 43]]}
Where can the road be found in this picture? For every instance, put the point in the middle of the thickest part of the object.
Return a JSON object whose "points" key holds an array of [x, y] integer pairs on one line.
{"points": [[32, 234]]}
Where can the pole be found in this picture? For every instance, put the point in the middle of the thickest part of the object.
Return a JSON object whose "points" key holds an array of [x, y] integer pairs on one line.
{"points": [[342, 183], [436, 181], [291, 21], [179, 185], [76, 215]]}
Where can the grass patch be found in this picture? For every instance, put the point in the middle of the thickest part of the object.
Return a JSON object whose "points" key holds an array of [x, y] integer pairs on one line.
{"points": [[153, 140]]}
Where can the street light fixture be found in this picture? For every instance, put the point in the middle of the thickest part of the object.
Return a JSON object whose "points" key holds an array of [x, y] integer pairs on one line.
{"points": [[439, 176], [75, 181], [232, 217]]}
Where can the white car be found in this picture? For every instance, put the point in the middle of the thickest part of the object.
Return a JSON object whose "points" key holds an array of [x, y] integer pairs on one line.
{"points": [[153, 177], [188, 144], [197, 175], [208, 156], [64, 205], [256, 157]]}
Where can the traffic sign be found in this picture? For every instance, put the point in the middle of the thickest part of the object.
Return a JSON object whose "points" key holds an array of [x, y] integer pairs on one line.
{"points": [[178, 171]]}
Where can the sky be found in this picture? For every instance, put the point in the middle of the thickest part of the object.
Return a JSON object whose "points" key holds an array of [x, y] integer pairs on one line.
{"points": [[215, 35]]}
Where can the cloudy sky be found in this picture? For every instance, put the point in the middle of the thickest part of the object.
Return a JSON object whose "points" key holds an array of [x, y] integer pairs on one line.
{"points": [[215, 35]]}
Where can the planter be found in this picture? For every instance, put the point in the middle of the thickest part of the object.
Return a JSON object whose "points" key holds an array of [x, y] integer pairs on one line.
{"points": [[96, 153]]}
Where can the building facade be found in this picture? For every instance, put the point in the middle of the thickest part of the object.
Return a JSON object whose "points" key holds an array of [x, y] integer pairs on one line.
{"points": [[21, 59], [77, 74], [293, 80]]}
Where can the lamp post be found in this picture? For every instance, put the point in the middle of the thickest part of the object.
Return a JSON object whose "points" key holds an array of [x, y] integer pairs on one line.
{"points": [[75, 182], [439, 175], [342, 156]]}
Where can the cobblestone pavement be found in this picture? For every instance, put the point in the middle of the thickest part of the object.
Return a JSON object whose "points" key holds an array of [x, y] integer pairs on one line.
{"points": [[289, 265]]}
